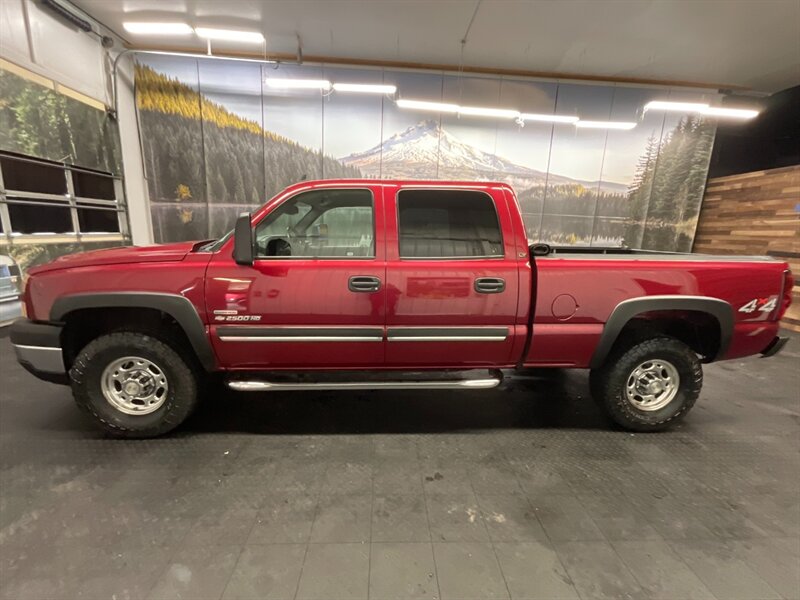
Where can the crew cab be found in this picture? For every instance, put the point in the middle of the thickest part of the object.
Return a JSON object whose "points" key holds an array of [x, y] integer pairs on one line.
{"points": [[369, 284]]}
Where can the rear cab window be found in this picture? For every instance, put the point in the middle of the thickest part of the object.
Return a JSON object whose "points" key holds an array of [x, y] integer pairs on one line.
{"points": [[448, 224]]}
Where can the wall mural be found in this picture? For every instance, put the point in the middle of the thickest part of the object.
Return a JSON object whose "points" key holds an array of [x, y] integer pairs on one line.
{"points": [[218, 139], [38, 121]]}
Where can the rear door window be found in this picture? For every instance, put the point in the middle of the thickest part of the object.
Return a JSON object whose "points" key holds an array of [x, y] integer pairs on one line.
{"points": [[448, 224]]}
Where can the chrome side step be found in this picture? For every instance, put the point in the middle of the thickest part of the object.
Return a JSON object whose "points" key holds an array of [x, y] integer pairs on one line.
{"points": [[268, 386]]}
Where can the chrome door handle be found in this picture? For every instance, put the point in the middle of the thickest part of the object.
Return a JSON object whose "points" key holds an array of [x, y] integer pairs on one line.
{"points": [[490, 285], [363, 283]]}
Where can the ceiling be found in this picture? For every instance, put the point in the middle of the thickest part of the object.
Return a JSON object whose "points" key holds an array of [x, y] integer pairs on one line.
{"points": [[752, 44]]}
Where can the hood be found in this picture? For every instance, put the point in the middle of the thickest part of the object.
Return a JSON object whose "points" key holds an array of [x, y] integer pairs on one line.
{"points": [[118, 256]]}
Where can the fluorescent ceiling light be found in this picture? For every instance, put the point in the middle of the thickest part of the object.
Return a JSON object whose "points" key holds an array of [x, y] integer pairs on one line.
{"points": [[548, 118], [675, 106], [480, 111], [364, 88], [424, 105], [702, 109], [157, 28], [304, 84], [231, 35], [734, 113], [606, 124], [444, 107]]}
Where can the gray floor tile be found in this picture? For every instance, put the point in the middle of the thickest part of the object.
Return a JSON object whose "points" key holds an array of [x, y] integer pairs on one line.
{"points": [[469, 571], [538, 478], [617, 519], [223, 527], [46, 571], [125, 572], [510, 518], [494, 478], [533, 571], [402, 571], [400, 519], [343, 518], [298, 477], [348, 478], [397, 476], [266, 572], [727, 576], [672, 517], [448, 477], [456, 518], [197, 572], [660, 571], [597, 572], [335, 572], [284, 519], [564, 518], [776, 561]]}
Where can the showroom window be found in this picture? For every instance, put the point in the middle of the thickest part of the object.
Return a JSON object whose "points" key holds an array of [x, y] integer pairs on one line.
{"points": [[448, 224], [53, 200], [329, 223]]}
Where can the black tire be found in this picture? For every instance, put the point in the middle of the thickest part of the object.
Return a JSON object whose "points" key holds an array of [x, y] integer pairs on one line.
{"points": [[86, 374], [608, 384]]}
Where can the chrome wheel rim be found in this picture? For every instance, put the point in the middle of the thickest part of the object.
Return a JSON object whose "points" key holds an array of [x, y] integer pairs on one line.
{"points": [[652, 385], [134, 385]]}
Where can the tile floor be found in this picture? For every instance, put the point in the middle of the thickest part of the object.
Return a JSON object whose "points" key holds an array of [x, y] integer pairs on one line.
{"points": [[524, 492]]}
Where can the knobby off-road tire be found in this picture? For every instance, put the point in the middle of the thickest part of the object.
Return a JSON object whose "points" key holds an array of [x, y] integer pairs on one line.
{"points": [[655, 361], [103, 365]]}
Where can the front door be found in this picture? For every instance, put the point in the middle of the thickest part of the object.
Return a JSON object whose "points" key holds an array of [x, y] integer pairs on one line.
{"points": [[315, 295], [452, 278]]}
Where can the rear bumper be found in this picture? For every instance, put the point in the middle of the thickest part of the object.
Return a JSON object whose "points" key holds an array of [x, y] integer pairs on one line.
{"points": [[775, 346], [38, 349]]}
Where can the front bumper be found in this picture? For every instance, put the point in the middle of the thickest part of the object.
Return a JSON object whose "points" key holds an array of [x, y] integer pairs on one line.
{"points": [[775, 346], [38, 349]]}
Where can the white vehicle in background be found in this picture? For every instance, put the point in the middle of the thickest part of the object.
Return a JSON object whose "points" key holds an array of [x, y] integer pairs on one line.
{"points": [[10, 290]]}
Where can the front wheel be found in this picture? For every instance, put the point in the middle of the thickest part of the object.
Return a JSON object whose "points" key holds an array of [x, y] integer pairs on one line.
{"points": [[133, 385], [650, 385]]}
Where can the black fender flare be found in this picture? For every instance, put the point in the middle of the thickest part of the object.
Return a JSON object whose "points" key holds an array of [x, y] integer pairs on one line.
{"points": [[178, 307], [628, 309]]}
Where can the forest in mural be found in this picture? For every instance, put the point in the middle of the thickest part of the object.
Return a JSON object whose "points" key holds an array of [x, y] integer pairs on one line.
{"points": [[218, 142], [38, 121]]}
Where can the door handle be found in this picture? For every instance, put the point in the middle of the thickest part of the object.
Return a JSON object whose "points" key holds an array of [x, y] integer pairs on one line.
{"points": [[490, 285], [363, 283]]}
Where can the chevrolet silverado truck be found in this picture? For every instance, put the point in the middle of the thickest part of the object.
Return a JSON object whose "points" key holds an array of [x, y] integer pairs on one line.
{"points": [[368, 284]]}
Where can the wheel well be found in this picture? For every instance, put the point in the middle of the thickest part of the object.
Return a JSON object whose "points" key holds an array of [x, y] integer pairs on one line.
{"points": [[84, 325], [698, 330]]}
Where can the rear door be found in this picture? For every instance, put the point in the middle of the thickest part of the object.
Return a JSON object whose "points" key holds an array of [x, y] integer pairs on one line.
{"points": [[452, 278]]}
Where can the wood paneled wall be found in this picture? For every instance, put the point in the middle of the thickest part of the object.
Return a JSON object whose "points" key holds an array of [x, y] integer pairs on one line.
{"points": [[755, 213]]}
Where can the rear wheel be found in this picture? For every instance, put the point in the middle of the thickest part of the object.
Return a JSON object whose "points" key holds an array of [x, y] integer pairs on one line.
{"points": [[649, 386], [134, 385]]}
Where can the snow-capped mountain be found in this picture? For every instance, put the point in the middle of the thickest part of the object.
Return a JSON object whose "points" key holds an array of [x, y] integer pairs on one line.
{"points": [[415, 153]]}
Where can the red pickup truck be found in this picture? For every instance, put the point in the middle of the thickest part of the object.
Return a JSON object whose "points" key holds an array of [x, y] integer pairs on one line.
{"points": [[366, 284]]}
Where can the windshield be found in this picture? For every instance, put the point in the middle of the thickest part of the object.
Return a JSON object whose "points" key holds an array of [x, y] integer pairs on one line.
{"points": [[217, 244]]}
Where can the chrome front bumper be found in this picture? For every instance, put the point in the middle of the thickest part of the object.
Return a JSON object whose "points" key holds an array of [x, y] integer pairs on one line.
{"points": [[38, 349], [41, 358]]}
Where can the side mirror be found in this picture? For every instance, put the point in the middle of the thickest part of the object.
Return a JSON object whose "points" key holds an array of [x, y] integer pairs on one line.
{"points": [[243, 240]]}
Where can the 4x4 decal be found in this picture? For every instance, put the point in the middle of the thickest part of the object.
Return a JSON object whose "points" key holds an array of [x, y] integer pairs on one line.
{"points": [[764, 305]]}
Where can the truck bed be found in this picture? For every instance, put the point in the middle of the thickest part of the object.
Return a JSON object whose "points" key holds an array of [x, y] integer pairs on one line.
{"points": [[631, 254]]}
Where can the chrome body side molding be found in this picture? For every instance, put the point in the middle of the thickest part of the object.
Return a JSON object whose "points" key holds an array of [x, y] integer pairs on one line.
{"points": [[447, 334], [300, 334]]}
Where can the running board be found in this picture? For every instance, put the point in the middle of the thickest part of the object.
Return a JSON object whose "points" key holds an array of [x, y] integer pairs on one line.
{"points": [[268, 386]]}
